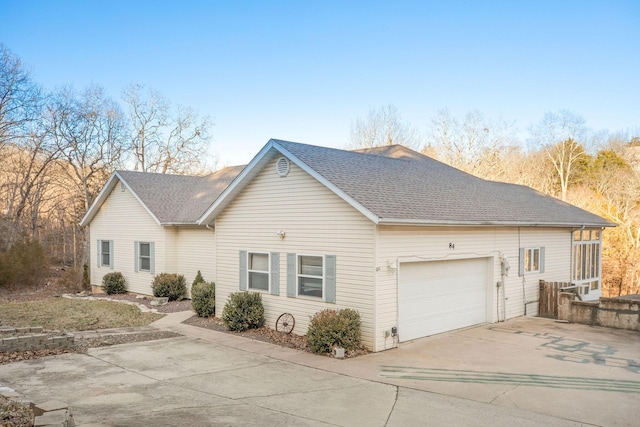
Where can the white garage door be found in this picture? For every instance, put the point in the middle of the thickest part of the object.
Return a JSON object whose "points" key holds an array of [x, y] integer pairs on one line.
{"points": [[439, 296]]}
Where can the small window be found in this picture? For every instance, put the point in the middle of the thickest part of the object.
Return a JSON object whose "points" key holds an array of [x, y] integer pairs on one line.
{"points": [[310, 276], [258, 270], [532, 260], [144, 256], [105, 252]]}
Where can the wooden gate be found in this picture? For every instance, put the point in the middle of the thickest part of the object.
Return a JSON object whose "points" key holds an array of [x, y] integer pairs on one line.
{"points": [[548, 302]]}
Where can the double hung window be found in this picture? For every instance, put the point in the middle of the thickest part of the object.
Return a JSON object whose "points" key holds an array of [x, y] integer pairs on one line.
{"points": [[258, 270], [105, 253], [144, 254]]}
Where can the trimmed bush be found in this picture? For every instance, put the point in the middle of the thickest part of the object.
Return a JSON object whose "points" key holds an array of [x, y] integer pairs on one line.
{"points": [[203, 298], [198, 279], [114, 283], [243, 311], [170, 285], [331, 328]]}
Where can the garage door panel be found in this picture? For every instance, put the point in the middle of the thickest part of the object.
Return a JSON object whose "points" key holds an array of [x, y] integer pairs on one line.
{"points": [[439, 296]]}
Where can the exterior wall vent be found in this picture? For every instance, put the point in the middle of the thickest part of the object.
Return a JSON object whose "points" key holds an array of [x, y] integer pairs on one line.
{"points": [[282, 167]]}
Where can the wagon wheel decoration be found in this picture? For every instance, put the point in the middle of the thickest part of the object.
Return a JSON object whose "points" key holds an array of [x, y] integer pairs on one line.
{"points": [[285, 323]]}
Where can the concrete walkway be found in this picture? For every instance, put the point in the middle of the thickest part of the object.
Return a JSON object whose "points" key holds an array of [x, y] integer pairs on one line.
{"points": [[215, 378]]}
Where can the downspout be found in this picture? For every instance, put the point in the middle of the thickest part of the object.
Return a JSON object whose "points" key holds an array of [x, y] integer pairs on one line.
{"points": [[504, 265]]}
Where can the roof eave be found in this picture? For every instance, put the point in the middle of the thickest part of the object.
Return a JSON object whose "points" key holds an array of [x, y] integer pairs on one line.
{"points": [[445, 223]]}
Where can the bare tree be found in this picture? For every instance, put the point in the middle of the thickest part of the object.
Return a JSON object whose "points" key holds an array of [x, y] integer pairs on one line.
{"points": [[20, 98], [381, 127], [88, 129], [474, 144], [559, 136], [23, 182], [164, 139]]}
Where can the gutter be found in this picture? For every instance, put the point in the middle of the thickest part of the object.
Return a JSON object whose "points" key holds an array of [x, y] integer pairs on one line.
{"points": [[445, 223]]}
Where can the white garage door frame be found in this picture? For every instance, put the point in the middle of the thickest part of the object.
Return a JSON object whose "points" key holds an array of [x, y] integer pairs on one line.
{"points": [[442, 295]]}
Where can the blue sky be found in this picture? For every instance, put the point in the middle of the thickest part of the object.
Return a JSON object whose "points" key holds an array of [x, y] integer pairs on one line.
{"points": [[303, 71]]}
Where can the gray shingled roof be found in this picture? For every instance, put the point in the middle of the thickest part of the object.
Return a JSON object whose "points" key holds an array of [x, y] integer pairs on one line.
{"points": [[179, 199], [399, 185]]}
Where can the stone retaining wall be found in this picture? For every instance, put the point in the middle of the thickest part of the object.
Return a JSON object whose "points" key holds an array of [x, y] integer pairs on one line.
{"points": [[609, 312], [28, 339]]}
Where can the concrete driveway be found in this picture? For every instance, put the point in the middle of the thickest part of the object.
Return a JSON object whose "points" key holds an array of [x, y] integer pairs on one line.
{"points": [[523, 372]]}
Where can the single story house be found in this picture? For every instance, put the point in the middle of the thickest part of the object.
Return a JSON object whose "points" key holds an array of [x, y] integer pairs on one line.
{"points": [[416, 246]]}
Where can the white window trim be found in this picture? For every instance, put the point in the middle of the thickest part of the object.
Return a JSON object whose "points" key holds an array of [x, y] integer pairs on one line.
{"points": [[268, 272], [323, 278]]}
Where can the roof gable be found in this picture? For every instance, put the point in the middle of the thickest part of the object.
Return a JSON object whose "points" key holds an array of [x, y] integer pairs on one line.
{"points": [[169, 199]]}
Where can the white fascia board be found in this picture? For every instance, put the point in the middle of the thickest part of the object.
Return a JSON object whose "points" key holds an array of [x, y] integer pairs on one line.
{"points": [[344, 196], [247, 174], [104, 194], [102, 197]]}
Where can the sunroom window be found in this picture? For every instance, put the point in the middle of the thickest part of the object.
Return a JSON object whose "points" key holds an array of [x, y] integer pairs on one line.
{"points": [[586, 259]]}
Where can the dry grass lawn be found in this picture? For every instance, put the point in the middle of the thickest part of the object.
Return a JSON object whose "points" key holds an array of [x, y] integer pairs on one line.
{"points": [[74, 315]]}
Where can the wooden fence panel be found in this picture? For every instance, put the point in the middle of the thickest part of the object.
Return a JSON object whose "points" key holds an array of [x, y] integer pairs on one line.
{"points": [[548, 299]]}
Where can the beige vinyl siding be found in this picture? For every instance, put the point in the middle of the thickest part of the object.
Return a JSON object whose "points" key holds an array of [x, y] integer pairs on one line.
{"points": [[316, 222], [195, 249], [124, 220], [397, 243]]}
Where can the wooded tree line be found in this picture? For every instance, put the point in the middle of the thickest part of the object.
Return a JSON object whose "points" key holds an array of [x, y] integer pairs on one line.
{"points": [[58, 149], [598, 171]]}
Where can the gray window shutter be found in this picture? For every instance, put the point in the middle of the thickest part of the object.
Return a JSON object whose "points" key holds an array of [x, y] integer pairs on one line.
{"points": [[275, 273], [521, 263], [111, 254], [330, 278], [243, 270], [99, 252], [152, 256], [136, 256], [291, 275], [541, 260]]}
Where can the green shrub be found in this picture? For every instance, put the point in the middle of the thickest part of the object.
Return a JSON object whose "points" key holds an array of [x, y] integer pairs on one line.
{"points": [[114, 283], [243, 311], [198, 279], [170, 285], [203, 298], [331, 328], [23, 264]]}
